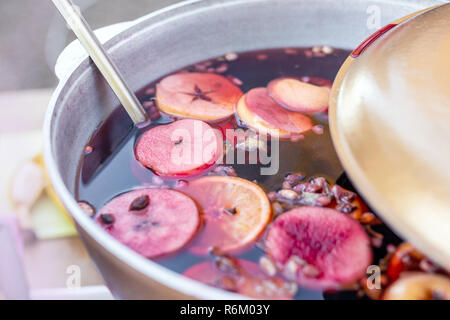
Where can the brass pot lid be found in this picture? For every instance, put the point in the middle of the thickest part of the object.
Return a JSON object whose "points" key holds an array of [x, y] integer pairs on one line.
{"points": [[390, 123]]}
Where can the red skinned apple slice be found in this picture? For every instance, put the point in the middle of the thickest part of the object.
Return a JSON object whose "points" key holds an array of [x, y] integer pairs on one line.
{"points": [[240, 276], [299, 96], [203, 96], [320, 248], [260, 112], [152, 222], [235, 212], [183, 148], [405, 258]]}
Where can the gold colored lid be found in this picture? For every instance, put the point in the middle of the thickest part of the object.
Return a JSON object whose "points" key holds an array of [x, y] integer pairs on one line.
{"points": [[390, 122]]}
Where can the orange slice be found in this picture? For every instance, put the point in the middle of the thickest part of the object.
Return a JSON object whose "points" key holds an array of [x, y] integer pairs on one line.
{"points": [[235, 212], [260, 112], [299, 96], [203, 96]]}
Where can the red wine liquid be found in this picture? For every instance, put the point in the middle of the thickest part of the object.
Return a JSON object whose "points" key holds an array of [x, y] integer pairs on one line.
{"points": [[110, 167]]}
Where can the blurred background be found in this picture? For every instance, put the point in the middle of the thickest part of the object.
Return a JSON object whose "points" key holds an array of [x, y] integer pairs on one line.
{"points": [[33, 34], [52, 262]]}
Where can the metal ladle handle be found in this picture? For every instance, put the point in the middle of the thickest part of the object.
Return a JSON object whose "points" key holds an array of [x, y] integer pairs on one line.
{"points": [[101, 59]]}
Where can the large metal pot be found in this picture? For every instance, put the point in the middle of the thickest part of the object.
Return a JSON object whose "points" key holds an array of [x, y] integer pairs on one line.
{"points": [[160, 43]]}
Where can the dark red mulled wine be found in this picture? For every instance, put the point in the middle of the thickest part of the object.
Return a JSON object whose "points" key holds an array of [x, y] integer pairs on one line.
{"points": [[298, 232]]}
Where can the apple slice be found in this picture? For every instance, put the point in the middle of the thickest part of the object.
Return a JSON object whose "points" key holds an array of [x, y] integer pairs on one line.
{"points": [[299, 96], [204, 96], [320, 248], [320, 82], [152, 222], [183, 148], [261, 113]]}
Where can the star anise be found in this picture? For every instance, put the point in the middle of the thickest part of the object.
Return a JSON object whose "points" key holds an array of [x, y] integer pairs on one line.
{"points": [[199, 94]]}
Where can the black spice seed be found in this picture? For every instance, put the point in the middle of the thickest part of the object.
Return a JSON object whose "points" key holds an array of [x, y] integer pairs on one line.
{"points": [[231, 211], [140, 203], [107, 218]]}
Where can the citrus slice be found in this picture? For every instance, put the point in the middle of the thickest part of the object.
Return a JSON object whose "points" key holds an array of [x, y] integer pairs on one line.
{"points": [[183, 148], [235, 212], [320, 248], [240, 276], [260, 112], [299, 96], [152, 222], [203, 96]]}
